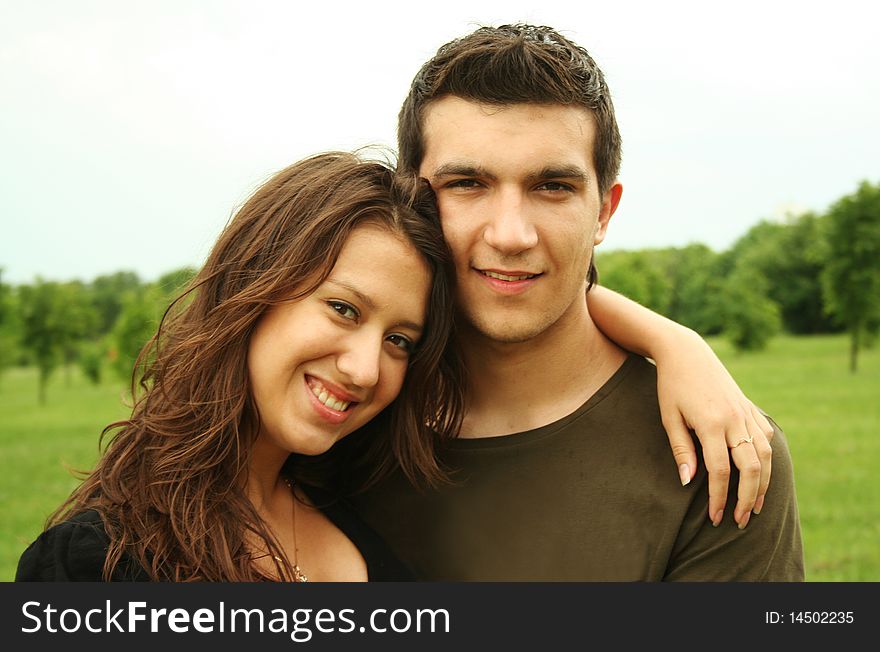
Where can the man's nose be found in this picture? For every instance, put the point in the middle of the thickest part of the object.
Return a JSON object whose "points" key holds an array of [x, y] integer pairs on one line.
{"points": [[509, 229]]}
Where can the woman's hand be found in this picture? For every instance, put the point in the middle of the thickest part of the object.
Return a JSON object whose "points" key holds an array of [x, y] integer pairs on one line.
{"points": [[696, 393]]}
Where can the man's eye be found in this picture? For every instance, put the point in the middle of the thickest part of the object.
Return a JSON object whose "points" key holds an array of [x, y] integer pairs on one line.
{"points": [[463, 183], [555, 186], [344, 309], [402, 342]]}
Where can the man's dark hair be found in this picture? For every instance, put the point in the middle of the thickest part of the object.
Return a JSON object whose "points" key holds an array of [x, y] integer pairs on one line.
{"points": [[513, 64]]}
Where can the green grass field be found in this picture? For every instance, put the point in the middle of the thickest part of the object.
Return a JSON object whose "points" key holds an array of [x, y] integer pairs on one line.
{"points": [[831, 419]]}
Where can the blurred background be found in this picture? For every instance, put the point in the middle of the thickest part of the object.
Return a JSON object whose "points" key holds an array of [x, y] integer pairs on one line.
{"points": [[751, 210]]}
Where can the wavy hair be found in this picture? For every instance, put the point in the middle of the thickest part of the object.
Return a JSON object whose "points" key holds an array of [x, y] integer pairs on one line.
{"points": [[170, 482]]}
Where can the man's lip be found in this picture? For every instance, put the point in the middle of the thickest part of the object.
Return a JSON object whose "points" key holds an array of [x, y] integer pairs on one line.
{"points": [[503, 287], [336, 390], [506, 272]]}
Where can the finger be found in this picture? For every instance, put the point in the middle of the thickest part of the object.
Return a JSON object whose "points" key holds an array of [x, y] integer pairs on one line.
{"points": [[681, 440], [746, 459], [717, 460], [765, 454], [763, 422]]}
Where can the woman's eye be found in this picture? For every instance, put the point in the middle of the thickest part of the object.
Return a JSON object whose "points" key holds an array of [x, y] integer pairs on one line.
{"points": [[345, 310], [401, 342]]}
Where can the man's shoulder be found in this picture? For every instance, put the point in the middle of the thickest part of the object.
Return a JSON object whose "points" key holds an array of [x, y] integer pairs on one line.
{"points": [[642, 371], [636, 376], [630, 394]]}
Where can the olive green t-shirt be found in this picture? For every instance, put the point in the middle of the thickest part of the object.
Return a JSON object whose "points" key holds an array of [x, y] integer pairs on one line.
{"points": [[594, 496]]}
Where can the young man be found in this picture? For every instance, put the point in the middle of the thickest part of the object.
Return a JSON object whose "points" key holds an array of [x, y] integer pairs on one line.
{"points": [[561, 471]]}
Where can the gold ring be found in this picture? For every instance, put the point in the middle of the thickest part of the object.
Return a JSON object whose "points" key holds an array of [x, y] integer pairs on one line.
{"points": [[744, 440]]}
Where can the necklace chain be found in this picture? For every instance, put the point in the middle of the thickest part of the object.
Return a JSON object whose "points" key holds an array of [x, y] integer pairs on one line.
{"points": [[298, 575]]}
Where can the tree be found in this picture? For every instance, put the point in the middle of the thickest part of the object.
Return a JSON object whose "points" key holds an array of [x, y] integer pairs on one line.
{"points": [[42, 328], [851, 277], [675, 282], [137, 323], [77, 318], [692, 272], [750, 318], [637, 275], [789, 255], [794, 272], [8, 325], [91, 361], [108, 293]]}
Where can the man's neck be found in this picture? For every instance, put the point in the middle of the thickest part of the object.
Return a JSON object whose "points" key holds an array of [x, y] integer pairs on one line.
{"points": [[514, 387]]}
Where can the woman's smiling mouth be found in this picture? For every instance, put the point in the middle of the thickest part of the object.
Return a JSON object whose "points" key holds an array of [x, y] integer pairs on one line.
{"points": [[327, 398]]}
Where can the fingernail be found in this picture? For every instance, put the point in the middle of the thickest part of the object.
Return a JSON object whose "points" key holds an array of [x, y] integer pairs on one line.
{"points": [[744, 521], [759, 505], [717, 520], [684, 472]]}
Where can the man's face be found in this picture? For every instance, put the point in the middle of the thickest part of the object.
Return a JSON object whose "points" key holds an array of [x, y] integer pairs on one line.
{"points": [[520, 208]]}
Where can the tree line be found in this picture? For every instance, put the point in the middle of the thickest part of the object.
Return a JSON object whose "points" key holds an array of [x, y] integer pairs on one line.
{"points": [[100, 326], [809, 274]]}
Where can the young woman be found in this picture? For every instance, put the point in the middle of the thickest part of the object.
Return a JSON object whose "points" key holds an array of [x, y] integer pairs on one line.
{"points": [[325, 290], [331, 284]]}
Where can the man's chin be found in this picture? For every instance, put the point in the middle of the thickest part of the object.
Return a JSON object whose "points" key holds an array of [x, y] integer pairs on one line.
{"points": [[508, 331]]}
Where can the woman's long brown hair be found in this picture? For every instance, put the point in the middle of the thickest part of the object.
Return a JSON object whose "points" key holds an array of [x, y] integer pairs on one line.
{"points": [[170, 483]]}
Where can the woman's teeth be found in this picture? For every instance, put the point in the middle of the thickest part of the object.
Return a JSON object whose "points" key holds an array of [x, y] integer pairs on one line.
{"points": [[326, 398]]}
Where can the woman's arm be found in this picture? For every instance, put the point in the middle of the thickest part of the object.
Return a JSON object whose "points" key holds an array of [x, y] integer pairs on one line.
{"points": [[696, 393]]}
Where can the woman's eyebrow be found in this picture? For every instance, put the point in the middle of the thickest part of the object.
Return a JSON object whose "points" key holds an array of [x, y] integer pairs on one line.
{"points": [[368, 302], [410, 325]]}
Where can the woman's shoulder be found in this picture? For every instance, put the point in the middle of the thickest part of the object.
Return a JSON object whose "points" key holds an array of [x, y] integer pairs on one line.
{"points": [[71, 551]]}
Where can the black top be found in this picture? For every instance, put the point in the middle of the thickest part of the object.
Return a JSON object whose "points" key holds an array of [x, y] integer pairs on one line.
{"points": [[75, 550]]}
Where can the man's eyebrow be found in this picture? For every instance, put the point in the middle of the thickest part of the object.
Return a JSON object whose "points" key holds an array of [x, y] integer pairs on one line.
{"points": [[464, 169], [561, 172], [368, 302], [461, 169]]}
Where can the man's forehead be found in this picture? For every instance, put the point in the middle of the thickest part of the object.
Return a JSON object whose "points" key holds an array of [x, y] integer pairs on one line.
{"points": [[453, 116], [467, 138], [451, 105]]}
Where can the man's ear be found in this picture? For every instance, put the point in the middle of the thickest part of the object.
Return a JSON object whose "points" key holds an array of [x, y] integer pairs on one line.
{"points": [[609, 205]]}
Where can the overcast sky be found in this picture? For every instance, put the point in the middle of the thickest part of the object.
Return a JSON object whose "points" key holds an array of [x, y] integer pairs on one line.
{"points": [[130, 131]]}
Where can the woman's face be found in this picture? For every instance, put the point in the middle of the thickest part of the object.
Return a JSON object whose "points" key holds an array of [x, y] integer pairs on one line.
{"points": [[323, 366]]}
